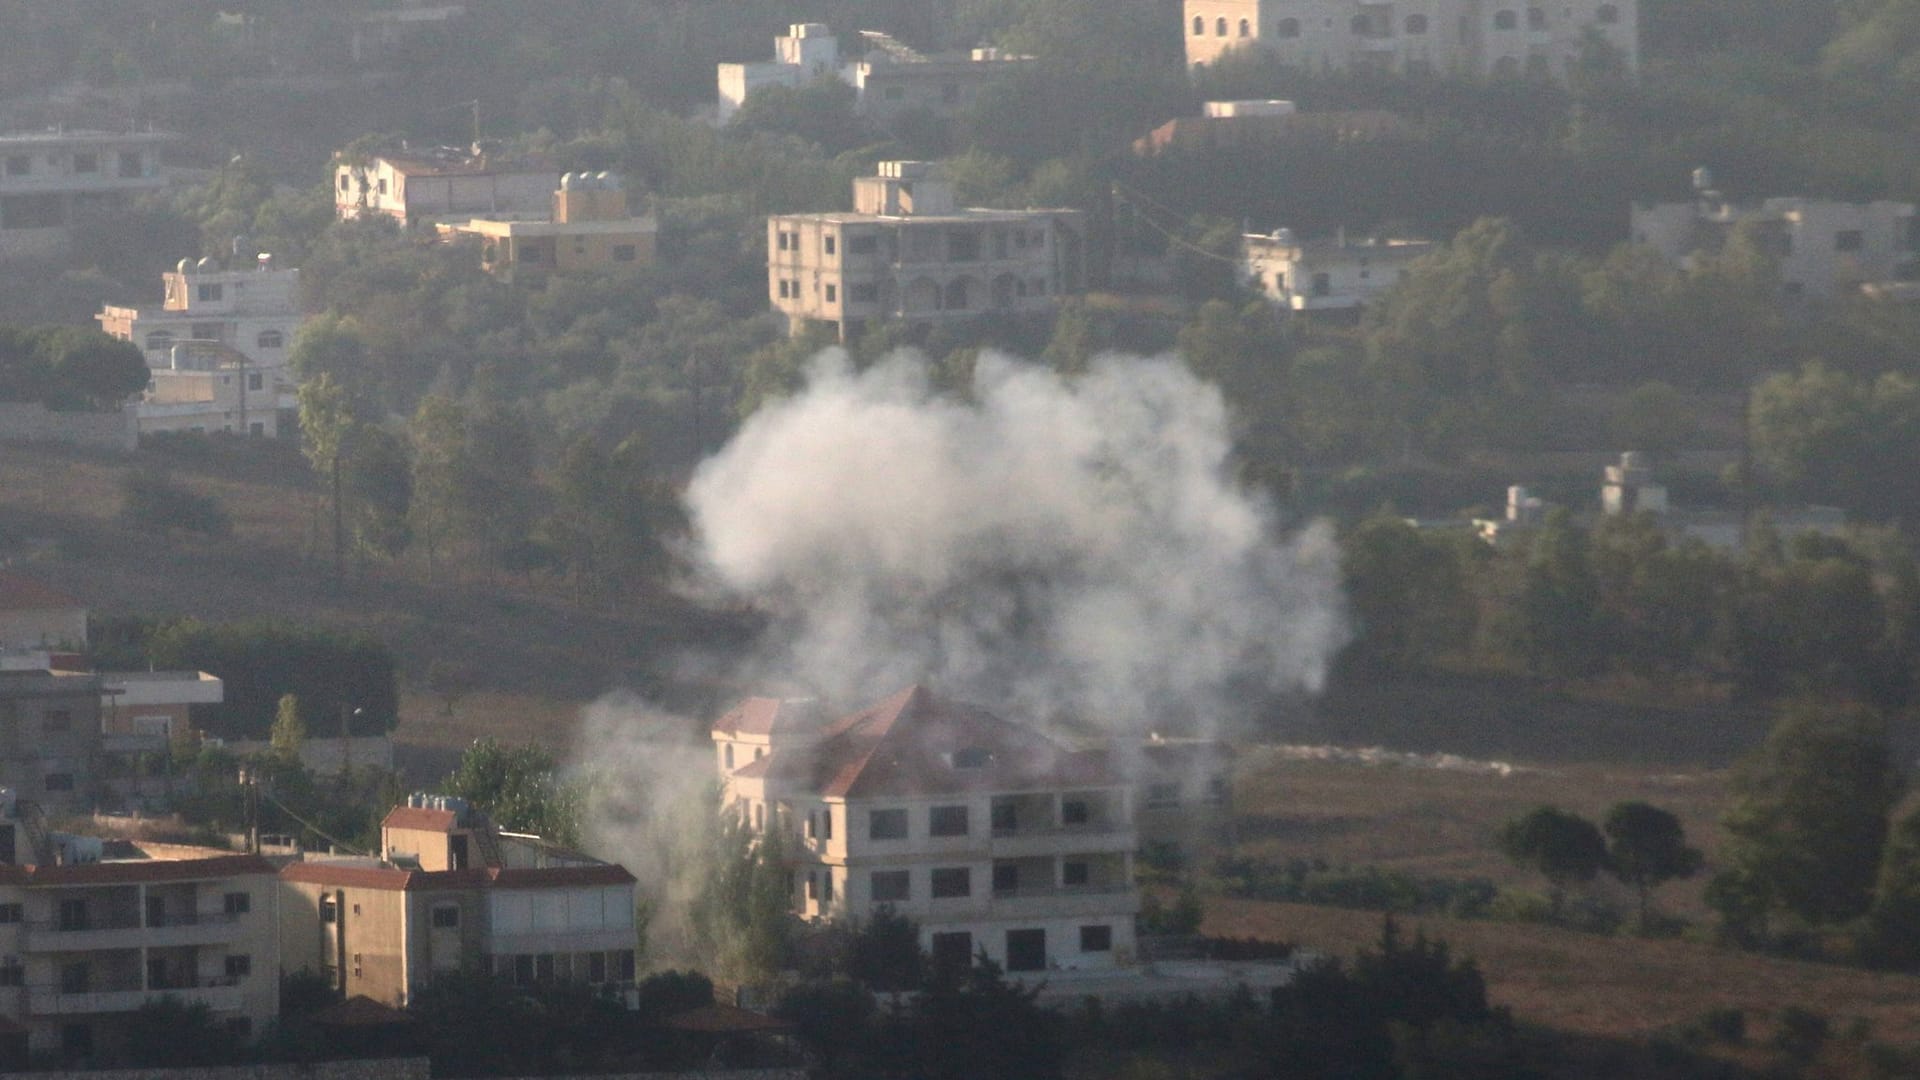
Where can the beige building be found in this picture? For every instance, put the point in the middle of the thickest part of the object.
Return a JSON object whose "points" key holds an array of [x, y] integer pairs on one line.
{"points": [[1183, 797], [1325, 275], [989, 835], [591, 229], [907, 252], [1823, 248], [451, 892], [51, 179], [1228, 125], [91, 930], [1474, 38], [217, 347], [442, 185]]}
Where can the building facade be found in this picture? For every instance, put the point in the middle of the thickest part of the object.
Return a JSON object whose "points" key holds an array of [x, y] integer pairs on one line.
{"points": [[50, 738], [92, 930], [50, 180], [1325, 275], [888, 77], [1474, 38], [450, 892], [443, 185], [217, 347], [990, 836], [908, 253], [590, 230], [1822, 248]]}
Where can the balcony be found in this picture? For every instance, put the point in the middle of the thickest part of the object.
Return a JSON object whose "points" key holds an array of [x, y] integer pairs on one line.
{"points": [[220, 995], [1093, 837], [1038, 902], [126, 932]]}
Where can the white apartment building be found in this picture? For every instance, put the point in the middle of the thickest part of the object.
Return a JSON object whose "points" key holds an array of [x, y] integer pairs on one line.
{"points": [[888, 77], [908, 252], [51, 179], [217, 346], [1475, 38], [1823, 248], [1325, 275], [91, 930], [440, 185], [987, 834]]}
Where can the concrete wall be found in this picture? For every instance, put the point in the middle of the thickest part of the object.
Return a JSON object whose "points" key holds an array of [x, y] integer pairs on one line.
{"points": [[31, 422]]}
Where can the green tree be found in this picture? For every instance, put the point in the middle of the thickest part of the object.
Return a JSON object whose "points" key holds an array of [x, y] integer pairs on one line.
{"points": [[1564, 848], [439, 435], [86, 369], [378, 483], [884, 952], [1809, 813], [742, 917], [1646, 848], [820, 112], [519, 788], [149, 499], [169, 1033], [1557, 617], [289, 732], [1408, 594], [1892, 938]]}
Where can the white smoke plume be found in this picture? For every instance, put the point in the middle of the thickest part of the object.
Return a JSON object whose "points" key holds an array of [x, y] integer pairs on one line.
{"points": [[1046, 547]]}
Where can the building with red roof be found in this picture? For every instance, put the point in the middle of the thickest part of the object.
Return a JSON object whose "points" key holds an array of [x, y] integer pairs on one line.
{"points": [[92, 930], [450, 891], [34, 616], [989, 834]]}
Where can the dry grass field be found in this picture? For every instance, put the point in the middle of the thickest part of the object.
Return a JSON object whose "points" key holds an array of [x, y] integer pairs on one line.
{"points": [[1603, 985]]}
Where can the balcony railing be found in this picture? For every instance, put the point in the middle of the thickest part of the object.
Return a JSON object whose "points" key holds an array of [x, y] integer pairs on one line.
{"points": [[132, 921], [219, 994], [1091, 828]]}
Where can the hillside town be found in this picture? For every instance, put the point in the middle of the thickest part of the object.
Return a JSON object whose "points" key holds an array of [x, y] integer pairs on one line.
{"points": [[1040, 538]]}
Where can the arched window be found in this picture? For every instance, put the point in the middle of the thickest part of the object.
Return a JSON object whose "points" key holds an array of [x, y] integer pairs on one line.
{"points": [[1360, 25], [1220, 27], [1416, 24], [1505, 20], [1289, 28], [271, 339], [1607, 15], [1199, 26], [1246, 28]]}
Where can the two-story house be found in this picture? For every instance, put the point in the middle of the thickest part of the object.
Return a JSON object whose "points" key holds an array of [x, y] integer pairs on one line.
{"points": [[991, 836], [450, 892], [217, 346], [439, 185], [49, 180], [909, 253], [92, 930]]}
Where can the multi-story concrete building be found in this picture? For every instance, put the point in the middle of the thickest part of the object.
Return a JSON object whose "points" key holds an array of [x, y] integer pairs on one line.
{"points": [[1823, 248], [451, 892], [888, 77], [51, 179], [591, 229], [907, 252], [91, 930], [1325, 275], [50, 737], [217, 346], [989, 835], [1476, 38], [441, 185]]}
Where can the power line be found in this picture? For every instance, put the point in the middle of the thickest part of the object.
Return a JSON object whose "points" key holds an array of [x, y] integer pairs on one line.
{"points": [[1134, 199]]}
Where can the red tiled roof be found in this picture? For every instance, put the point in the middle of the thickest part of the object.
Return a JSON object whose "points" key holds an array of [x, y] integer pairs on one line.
{"points": [[24, 594], [146, 870], [755, 769], [907, 744], [768, 716], [423, 818], [392, 878], [725, 1020]]}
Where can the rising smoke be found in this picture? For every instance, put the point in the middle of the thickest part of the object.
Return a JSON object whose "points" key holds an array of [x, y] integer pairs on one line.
{"points": [[1051, 549], [1048, 548]]}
